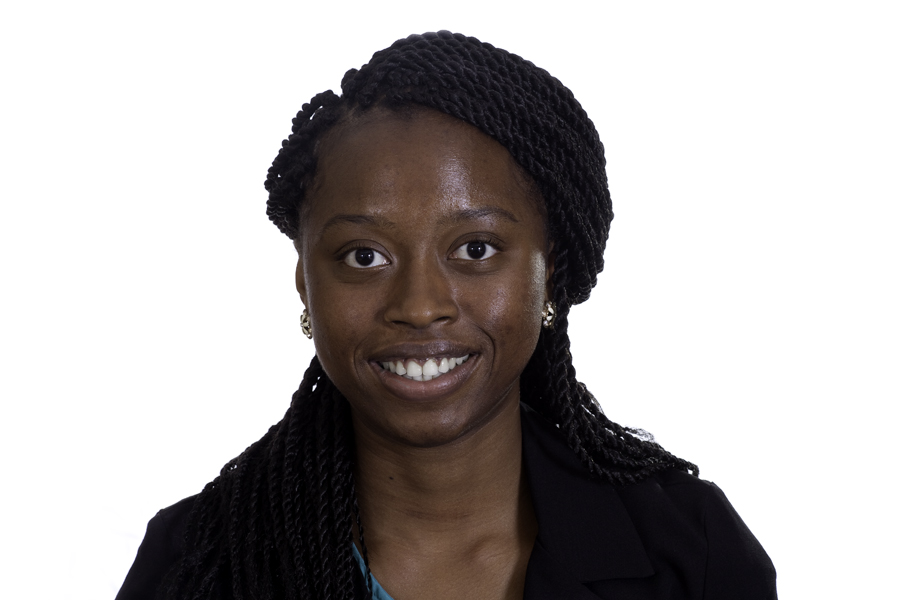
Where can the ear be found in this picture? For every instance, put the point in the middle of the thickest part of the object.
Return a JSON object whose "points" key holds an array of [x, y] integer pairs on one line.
{"points": [[300, 274]]}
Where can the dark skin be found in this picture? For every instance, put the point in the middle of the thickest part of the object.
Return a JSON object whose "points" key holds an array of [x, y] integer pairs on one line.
{"points": [[421, 239]]}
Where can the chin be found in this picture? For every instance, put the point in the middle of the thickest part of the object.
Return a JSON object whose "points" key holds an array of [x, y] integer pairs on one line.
{"points": [[431, 426]]}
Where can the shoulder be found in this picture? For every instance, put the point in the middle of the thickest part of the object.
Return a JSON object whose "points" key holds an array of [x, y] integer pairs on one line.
{"points": [[686, 502], [162, 547], [674, 492], [669, 535], [679, 514]]}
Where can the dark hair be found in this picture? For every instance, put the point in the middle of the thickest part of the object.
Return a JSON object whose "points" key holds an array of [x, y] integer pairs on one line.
{"points": [[278, 521]]}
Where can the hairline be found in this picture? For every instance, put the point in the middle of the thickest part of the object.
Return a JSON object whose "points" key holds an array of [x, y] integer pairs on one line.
{"points": [[407, 111]]}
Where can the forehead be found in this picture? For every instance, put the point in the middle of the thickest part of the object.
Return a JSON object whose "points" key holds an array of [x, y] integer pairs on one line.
{"points": [[385, 163]]}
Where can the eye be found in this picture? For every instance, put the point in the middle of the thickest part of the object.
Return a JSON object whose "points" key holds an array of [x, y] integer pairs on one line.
{"points": [[475, 250], [364, 258]]}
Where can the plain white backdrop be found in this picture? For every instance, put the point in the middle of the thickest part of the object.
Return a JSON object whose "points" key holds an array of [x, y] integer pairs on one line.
{"points": [[747, 316]]}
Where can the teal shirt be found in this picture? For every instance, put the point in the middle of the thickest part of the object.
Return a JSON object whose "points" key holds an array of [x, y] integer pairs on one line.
{"points": [[378, 592]]}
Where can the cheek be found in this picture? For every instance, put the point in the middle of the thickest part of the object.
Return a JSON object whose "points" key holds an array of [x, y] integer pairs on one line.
{"points": [[512, 311], [532, 288], [336, 334], [339, 322], [331, 329]]}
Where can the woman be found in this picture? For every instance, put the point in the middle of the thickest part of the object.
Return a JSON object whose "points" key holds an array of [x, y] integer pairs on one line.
{"points": [[449, 208]]}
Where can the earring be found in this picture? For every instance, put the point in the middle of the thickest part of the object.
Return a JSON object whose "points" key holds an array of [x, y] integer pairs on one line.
{"points": [[305, 325], [548, 315]]}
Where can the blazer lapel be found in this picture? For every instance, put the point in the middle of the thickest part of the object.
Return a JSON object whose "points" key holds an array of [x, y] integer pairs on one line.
{"points": [[584, 531], [547, 579]]}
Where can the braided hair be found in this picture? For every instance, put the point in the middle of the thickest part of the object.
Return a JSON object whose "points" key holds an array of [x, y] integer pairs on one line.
{"points": [[279, 520]]}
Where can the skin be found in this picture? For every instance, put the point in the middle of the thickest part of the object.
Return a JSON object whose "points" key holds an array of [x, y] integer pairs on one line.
{"points": [[442, 496]]}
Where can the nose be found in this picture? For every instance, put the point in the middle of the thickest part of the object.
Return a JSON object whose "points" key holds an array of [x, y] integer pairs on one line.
{"points": [[421, 295]]}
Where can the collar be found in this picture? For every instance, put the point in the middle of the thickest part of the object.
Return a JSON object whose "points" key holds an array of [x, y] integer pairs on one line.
{"points": [[584, 530]]}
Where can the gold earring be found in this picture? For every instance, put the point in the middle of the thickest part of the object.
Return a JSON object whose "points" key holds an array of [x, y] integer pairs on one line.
{"points": [[548, 315], [305, 325]]}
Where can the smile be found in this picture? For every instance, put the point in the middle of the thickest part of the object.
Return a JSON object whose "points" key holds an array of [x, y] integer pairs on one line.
{"points": [[423, 369]]}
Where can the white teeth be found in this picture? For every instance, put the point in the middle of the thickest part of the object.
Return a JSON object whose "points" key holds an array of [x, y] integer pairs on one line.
{"points": [[413, 369], [418, 370], [430, 368]]}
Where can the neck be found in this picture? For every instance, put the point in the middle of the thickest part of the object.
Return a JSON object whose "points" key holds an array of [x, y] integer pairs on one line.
{"points": [[467, 489]]}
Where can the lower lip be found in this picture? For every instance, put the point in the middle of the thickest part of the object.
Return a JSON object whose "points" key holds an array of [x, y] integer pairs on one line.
{"points": [[424, 391]]}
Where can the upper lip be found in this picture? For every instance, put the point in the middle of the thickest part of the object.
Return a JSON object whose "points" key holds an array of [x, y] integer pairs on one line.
{"points": [[432, 349]]}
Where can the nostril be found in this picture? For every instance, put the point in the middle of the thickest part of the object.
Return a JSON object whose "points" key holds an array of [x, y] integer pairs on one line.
{"points": [[421, 313], [422, 295]]}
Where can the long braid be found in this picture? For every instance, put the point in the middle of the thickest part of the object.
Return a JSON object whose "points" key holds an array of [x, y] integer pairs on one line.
{"points": [[278, 521]]}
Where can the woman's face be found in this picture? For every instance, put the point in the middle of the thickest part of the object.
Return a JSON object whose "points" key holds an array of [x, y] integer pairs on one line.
{"points": [[422, 251]]}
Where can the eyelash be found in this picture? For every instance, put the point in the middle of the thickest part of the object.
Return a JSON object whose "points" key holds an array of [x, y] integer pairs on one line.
{"points": [[492, 245], [345, 257]]}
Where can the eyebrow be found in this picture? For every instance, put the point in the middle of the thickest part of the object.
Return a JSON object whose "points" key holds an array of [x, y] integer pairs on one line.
{"points": [[358, 220], [470, 214]]}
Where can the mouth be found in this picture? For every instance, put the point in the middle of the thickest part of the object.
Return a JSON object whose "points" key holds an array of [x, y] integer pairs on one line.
{"points": [[423, 369], [425, 372]]}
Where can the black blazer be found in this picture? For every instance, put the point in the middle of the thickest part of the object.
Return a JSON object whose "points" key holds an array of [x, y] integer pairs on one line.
{"points": [[672, 536]]}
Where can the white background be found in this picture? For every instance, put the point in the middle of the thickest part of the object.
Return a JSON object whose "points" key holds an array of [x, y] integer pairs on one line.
{"points": [[748, 314]]}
